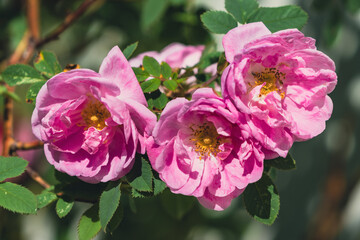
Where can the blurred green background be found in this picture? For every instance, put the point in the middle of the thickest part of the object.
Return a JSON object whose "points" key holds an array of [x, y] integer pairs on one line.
{"points": [[320, 197]]}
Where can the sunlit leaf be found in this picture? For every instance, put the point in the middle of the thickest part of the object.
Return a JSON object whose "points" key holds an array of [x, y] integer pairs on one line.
{"points": [[11, 167], [89, 224], [109, 202], [47, 63], [19, 74], [63, 207], [17, 198], [129, 50], [241, 9], [280, 18], [218, 21], [262, 200]]}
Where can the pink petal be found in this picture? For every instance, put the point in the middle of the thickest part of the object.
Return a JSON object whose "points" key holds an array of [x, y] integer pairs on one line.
{"points": [[218, 203], [235, 40], [168, 126], [117, 70]]}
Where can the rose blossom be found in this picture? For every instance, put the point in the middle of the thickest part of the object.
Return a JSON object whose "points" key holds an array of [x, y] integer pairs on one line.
{"points": [[92, 123], [281, 80], [177, 55], [203, 148]]}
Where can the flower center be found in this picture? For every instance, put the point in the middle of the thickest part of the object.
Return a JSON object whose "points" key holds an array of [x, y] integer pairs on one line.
{"points": [[94, 114], [206, 140], [273, 80]]}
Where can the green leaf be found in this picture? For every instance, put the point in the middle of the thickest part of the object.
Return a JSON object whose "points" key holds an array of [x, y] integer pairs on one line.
{"points": [[160, 102], [152, 11], [287, 163], [11, 167], [150, 103], [19, 74], [176, 205], [109, 202], [170, 84], [129, 50], [45, 198], [139, 194], [280, 18], [140, 74], [17, 198], [150, 85], [241, 9], [63, 207], [140, 177], [89, 224], [47, 64], [152, 66], [174, 75], [159, 186], [33, 91], [116, 219], [180, 80], [262, 200], [166, 70], [218, 21]]}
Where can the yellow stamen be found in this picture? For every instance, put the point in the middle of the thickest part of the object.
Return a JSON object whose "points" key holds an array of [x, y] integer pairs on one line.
{"points": [[94, 114], [273, 80], [206, 140]]}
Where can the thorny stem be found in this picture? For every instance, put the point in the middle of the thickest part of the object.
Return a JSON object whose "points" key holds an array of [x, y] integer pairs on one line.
{"points": [[37, 178]]}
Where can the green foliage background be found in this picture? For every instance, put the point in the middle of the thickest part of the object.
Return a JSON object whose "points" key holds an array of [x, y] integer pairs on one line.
{"points": [[334, 24]]}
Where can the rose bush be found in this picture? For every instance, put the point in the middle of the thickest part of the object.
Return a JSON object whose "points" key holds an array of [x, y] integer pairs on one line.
{"points": [[92, 123], [203, 148], [281, 81], [177, 55]]}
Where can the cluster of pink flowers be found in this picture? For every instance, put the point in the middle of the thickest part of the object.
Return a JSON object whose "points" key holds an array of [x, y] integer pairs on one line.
{"points": [[92, 123], [274, 92]]}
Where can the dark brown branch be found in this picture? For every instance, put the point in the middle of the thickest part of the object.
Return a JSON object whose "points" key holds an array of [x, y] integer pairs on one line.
{"points": [[22, 54], [37, 178], [28, 145], [70, 19]]}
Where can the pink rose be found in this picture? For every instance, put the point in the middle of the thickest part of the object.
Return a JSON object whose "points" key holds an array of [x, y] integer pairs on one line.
{"points": [[203, 148], [281, 80], [176, 55], [92, 123]]}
